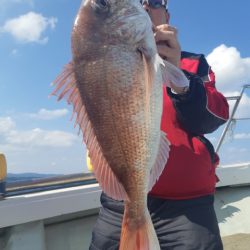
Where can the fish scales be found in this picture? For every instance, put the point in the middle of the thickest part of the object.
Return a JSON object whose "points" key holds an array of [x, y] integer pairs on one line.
{"points": [[115, 86], [115, 103]]}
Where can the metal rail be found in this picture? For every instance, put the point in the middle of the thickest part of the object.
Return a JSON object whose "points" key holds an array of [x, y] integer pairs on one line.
{"points": [[231, 118], [47, 184]]}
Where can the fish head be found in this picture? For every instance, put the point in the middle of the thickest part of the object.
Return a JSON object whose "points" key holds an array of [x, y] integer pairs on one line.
{"points": [[101, 23]]}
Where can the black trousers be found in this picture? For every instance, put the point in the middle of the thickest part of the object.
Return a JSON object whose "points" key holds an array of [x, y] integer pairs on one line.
{"points": [[179, 224]]}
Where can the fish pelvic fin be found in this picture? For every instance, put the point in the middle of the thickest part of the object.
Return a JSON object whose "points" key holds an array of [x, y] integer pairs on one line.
{"points": [[140, 236], [161, 160], [66, 87]]}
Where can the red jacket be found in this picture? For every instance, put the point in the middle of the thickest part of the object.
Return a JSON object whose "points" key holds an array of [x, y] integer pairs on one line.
{"points": [[190, 170]]}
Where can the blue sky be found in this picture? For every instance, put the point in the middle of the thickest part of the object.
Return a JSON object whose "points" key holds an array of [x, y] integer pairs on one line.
{"points": [[36, 133]]}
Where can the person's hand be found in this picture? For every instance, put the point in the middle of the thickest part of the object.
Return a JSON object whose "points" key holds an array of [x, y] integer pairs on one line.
{"points": [[170, 50], [167, 43]]}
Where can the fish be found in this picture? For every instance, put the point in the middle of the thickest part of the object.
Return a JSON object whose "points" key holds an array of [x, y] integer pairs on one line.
{"points": [[115, 84]]}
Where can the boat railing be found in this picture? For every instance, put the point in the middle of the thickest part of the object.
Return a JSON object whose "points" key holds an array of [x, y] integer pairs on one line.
{"points": [[48, 184], [232, 117]]}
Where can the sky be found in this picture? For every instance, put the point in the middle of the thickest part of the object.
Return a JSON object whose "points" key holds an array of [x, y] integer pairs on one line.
{"points": [[36, 133]]}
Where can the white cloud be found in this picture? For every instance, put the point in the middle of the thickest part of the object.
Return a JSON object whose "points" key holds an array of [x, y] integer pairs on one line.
{"points": [[12, 137], [243, 110], [38, 137], [9, 148], [6, 125], [29, 27], [234, 154], [44, 114], [41, 151], [244, 136], [231, 70]]}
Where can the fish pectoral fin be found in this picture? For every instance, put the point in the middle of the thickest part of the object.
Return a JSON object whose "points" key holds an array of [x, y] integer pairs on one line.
{"points": [[150, 72], [65, 87], [172, 75], [161, 160]]}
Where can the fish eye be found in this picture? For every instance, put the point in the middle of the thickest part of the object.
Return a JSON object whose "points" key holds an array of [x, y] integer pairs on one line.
{"points": [[104, 3], [100, 6]]}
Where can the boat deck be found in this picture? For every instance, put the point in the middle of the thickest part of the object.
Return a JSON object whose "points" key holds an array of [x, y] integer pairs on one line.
{"points": [[63, 219]]}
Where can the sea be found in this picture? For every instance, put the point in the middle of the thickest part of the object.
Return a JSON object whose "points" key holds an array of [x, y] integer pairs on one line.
{"points": [[11, 177]]}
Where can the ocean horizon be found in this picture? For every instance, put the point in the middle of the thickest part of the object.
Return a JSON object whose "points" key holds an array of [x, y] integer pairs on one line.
{"points": [[17, 177]]}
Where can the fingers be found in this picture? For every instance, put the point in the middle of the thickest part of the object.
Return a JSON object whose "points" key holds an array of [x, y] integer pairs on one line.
{"points": [[165, 33], [172, 55], [163, 51], [167, 43], [167, 27], [164, 36], [167, 53]]}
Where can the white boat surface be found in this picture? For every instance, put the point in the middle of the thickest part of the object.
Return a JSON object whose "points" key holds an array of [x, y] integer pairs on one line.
{"points": [[62, 219]]}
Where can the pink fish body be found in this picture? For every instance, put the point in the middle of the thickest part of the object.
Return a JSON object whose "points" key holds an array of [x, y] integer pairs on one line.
{"points": [[114, 83]]}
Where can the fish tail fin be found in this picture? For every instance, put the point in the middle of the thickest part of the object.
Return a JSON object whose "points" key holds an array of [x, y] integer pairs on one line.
{"points": [[138, 237]]}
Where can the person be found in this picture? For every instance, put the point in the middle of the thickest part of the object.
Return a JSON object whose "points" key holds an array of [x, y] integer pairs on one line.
{"points": [[181, 202]]}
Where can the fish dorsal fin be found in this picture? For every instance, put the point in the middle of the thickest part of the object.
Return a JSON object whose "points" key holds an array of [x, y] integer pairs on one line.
{"points": [[66, 87], [161, 160]]}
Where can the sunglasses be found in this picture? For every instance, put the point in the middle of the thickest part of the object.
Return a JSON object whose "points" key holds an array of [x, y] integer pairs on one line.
{"points": [[156, 4]]}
